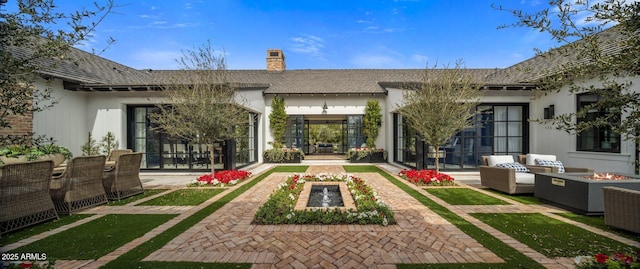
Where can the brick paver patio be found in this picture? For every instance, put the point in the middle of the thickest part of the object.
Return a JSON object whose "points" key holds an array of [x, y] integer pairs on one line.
{"points": [[227, 235]]}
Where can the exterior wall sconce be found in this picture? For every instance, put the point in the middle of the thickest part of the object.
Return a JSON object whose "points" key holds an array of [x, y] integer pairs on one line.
{"points": [[549, 112], [324, 108]]}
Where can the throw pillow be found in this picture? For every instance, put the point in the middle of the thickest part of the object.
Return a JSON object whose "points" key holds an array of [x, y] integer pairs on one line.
{"points": [[516, 166], [551, 164]]}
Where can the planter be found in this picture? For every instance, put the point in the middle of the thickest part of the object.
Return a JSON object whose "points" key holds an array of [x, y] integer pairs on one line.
{"points": [[365, 159], [57, 159], [296, 158], [377, 157]]}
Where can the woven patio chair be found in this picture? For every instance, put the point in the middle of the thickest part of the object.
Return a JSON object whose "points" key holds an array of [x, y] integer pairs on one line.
{"points": [[24, 195], [80, 186], [113, 157], [622, 208], [124, 180]]}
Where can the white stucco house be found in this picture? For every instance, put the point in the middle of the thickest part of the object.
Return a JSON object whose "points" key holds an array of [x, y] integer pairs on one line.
{"points": [[99, 95]]}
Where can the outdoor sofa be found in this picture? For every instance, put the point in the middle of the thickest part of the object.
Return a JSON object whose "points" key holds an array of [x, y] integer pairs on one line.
{"points": [[24, 195], [502, 173], [537, 160]]}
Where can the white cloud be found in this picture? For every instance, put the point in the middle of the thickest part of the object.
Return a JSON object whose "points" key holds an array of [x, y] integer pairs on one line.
{"points": [[307, 44]]}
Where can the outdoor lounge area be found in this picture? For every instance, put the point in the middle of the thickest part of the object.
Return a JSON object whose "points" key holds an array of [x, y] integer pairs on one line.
{"points": [[212, 227]]}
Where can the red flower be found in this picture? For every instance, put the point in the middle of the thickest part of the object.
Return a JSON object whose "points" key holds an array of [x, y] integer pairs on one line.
{"points": [[601, 258], [26, 265], [225, 176]]}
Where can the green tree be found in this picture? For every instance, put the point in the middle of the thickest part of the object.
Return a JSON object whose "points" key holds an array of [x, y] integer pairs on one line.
{"points": [[90, 148], [32, 43], [371, 122], [278, 121], [441, 105], [108, 143], [201, 105], [611, 58]]}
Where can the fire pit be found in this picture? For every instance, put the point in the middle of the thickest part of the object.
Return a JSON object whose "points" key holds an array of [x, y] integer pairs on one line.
{"points": [[580, 192], [606, 176]]}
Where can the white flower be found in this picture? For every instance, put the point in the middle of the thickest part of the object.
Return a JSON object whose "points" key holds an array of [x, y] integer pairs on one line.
{"points": [[291, 196], [233, 182], [385, 222], [289, 216], [300, 181]]}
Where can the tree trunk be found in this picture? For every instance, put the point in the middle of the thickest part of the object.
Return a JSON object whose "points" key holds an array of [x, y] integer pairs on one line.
{"points": [[437, 160], [212, 154]]}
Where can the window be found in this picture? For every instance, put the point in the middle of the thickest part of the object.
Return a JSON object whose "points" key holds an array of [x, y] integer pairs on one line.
{"points": [[601, 139]]}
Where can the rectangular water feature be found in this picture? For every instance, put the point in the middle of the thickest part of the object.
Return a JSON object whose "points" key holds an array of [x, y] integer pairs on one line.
{"points": [[345, 196], [325, 196]]}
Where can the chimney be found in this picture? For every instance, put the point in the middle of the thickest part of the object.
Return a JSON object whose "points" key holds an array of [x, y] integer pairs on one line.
{"points": [[275, 60]]}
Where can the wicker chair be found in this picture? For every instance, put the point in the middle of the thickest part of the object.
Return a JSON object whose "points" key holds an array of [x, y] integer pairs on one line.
{"points": [[504, 179], [622, 208], [80, 186], [523, 160], [24, 195], [123, 180], [113, 156]]}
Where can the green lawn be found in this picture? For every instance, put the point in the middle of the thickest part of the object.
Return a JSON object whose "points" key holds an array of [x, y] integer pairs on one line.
{"points": [[464, 196], [147, 193], [40, 228], [184, 197], [551, 237], [96, 238]]}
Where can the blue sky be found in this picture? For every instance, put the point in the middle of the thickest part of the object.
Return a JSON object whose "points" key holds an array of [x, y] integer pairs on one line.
{"points": [[323, 34]]}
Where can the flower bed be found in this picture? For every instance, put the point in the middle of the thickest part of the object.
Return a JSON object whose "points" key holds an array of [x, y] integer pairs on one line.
{"points": [[617, 260], [279, 208], [221, 178], [427, 177]]}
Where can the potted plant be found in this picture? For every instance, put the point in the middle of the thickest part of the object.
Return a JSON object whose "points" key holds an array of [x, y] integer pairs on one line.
{"points": [[371, 125], [23, 153], [278, 125]]}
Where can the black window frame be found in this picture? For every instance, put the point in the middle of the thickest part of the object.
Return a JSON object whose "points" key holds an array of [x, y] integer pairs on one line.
{"points": [[600, 135]]}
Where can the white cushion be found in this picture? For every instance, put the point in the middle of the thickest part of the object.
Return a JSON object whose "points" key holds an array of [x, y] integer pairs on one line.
{"points": [[525, 178], [493, 160], [531, 158]]}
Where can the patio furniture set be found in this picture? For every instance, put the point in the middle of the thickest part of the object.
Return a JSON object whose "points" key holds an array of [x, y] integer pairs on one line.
{"points": [[31, 192], [577, 189]]}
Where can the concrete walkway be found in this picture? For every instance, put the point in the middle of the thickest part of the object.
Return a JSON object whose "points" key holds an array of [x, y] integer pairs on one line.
{"points": [[227, 235]]}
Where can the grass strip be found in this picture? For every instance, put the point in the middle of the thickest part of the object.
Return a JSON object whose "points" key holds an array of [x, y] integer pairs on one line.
{"points": [[512, 257], [551, 237], [147, 193], [523, 199], [96, 238], [184, 197], [598, 222], [40, 228], [132, 259], [464, 196]]}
